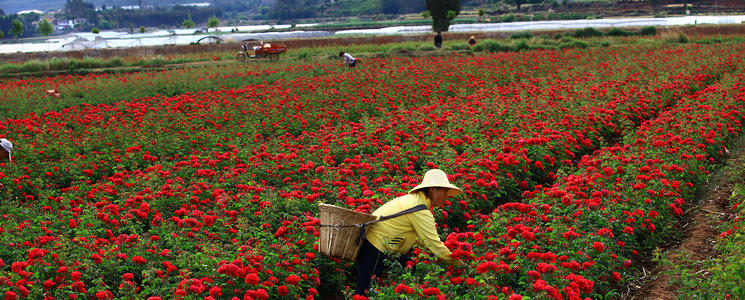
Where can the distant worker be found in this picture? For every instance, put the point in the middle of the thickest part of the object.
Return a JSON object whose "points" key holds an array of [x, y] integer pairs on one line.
{"points": [[438, 40], [348, 59], [6, 150], [53, 92], [472, 40]]}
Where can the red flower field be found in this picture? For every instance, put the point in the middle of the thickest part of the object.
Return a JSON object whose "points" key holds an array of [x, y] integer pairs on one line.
{"points": [[204, 183]]}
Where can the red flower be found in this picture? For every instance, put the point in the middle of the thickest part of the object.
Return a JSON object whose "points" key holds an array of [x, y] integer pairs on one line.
{"points": [[282, 290], [104, 295], [139, 259], [215, 291], [252, 279], [292, 279], [96, 258], [280, 231], [10, 295], [403, 289], [598, 246], [431, 291]]}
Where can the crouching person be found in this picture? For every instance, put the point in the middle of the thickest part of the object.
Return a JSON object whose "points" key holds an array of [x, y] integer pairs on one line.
{"points": [[6, 151], [399, 234]]}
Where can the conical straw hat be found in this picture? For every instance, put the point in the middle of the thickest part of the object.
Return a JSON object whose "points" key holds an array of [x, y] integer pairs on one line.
{"points": [[8, 147], [437, 178]]}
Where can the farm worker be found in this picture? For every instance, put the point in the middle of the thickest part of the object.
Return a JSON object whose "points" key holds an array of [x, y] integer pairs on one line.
{"points": [[472, 40], [399, 234], [6, 148], [438, 40], [53, 92], [348, 59]]}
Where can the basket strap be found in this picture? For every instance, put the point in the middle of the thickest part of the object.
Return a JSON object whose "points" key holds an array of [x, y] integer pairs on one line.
{"points": [[383, 218], [362, 226]]}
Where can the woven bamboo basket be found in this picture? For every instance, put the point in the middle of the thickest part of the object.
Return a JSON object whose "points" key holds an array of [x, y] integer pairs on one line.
{"points": [[338, 241]]}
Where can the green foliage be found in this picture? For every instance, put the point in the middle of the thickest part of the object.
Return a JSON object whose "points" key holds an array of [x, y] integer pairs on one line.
{"points": [[173, 16], [648, 30], [426, 14], [572, 43], [45, 28], [675, 38], [460, 46], [508, 18], [95, 30], [725, 272], [17, 28], [442, 12], [587, 32], [618, 32], [213, 22], [492, 46], [80, 9], [427, 47], [683, 39], [292, 9], [188, 23], [521, 35], [142, 29], [451, 14]]}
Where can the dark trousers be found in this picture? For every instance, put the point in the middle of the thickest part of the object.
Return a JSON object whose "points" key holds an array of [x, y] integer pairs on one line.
{"points": [[369, 262]]}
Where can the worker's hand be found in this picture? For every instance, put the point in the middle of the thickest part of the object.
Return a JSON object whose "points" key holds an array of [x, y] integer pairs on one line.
{"points": [[458, 263]]}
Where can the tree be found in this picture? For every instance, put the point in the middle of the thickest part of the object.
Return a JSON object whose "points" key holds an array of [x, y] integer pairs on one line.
{"points": [[442, 11], [95, 30], [292, 9], [17, 28], [517, 3], [45, 28], [213, 22], [2, 34], [189, 23], [142, 29], [389, 6], [80, 9]]}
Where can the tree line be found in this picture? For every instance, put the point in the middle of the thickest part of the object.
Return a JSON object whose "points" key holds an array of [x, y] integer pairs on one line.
{"points": [[13, 26]]}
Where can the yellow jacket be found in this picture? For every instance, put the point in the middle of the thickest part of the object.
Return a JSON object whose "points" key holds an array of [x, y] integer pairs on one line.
{"points": [[401, 233]]}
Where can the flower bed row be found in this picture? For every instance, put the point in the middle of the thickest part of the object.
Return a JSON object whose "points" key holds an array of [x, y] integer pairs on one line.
{"points": [[209, 194], [579, 237]]}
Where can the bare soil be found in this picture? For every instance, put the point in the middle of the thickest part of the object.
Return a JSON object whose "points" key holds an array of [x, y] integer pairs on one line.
{"points": [[700, 233]]}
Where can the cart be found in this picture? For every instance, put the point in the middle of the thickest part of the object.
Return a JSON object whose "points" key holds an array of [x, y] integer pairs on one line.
{"points": [[261, 50]]}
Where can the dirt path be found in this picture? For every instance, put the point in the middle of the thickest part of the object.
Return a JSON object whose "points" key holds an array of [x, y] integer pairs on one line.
{"points": [[700, 233]]}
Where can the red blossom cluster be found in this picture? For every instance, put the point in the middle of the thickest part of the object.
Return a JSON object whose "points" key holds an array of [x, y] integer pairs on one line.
{"points": [[572, 162]]}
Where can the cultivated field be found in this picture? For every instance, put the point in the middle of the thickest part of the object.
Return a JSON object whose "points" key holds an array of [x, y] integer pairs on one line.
{"points": [[204, 181]]}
